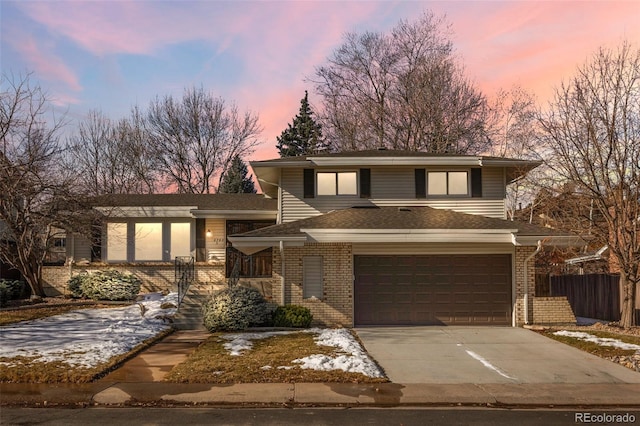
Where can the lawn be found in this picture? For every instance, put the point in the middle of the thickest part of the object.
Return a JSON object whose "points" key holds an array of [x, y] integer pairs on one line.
{"points": [[281, 357], [78, 345], [614, 346]]}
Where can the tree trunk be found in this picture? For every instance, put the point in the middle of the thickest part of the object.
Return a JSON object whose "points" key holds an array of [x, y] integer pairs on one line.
{"points": [[628, 312], [33, 276]]}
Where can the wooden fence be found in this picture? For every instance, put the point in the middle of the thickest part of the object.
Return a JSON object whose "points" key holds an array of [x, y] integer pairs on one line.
{"points": [[591, 296]]}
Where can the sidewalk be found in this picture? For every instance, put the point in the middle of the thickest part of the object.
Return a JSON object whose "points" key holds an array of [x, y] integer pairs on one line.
{"points": [[138, 382]]}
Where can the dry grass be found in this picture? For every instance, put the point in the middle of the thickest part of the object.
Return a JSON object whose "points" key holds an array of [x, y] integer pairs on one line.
{"points": [[33, 370], [212, 363], [594, 348]]}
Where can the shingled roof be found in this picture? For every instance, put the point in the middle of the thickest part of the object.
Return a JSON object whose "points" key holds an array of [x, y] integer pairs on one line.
{"points": [[401, 218], [201, 201]]}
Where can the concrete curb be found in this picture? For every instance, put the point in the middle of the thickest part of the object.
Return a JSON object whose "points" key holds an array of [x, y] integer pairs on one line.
{"points": [[325, 394]]}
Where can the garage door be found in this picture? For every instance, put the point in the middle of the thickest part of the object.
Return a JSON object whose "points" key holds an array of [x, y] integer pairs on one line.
{"points": [[433, 290]]}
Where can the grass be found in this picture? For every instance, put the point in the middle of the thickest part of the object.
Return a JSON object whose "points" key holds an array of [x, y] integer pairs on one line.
{"points": [[212, 363], [31, 370], [594, 348]]}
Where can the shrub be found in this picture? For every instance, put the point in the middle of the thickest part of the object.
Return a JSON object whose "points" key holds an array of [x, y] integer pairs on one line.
{"points": [[292, 316], [10, 289], [75, 284], [234, 308], [110, 285]]}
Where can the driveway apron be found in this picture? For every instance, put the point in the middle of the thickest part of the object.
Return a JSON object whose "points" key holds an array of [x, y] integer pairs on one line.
{"points": [[435, 354]]}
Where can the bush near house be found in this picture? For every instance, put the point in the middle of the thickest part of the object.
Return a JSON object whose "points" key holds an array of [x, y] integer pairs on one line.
{"points": [[9, 290], [105, 285], [234, 308], [292, 316]]}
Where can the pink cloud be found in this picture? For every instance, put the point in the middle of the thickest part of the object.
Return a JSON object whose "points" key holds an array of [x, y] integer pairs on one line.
{"points": [[45, 64]]}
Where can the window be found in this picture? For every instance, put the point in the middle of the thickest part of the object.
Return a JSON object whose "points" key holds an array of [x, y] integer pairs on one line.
{"points": [[148, 241], [116, 241], [447, 183], [56, 252], [312, 277], [180, 239], [249, 266], [337, 183]]}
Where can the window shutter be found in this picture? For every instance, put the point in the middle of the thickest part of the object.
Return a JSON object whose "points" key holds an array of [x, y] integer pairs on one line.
{"points": [[201, 240], [312, 277], [309, 184], [365, 183], [421, 183], [476, 182]]}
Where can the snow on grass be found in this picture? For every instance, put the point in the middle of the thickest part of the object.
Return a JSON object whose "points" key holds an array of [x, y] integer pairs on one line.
{"points": [[87, 337], [354, 359], [240, 342], [602, 341]]}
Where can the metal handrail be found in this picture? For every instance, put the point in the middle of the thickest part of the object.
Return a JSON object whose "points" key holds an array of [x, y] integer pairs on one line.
{"points": [[184, 274], [234, 277]]}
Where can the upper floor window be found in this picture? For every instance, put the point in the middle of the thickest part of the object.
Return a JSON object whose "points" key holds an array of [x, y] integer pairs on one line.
{"points": [[447, 183], [337, 183]]}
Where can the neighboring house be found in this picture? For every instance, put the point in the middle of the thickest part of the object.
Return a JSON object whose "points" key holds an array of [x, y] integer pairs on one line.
{"points": [[361, 238]]}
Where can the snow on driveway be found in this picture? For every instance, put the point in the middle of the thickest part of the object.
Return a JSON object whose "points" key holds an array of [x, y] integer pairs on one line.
{"points": [[87, 337]]}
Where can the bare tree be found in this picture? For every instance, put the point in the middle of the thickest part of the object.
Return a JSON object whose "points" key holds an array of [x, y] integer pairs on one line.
{"points": [[196, 138], [513, 128], [592, 140], [113, 157], [37, 197], [402, 90]]}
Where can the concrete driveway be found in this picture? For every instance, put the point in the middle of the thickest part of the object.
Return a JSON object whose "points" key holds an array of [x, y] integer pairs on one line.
{"points": [[445, 355]]}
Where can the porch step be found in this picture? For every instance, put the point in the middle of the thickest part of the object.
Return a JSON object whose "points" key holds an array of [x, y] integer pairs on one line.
{"points": [[189, 315]]}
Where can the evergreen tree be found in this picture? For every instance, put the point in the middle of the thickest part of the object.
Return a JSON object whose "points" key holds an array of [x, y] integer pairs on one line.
{"points": [[303, 136], [235, 180]]}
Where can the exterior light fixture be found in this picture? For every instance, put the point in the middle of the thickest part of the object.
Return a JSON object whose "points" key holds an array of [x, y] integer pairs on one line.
{"points": [[209, 233]]}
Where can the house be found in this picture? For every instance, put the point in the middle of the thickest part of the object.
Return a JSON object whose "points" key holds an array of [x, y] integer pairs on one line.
{"points": [[361, 238]]}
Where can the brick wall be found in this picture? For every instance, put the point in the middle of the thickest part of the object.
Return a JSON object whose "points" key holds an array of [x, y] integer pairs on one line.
{"points": [[522, 253], [157, 277], [335, 308], [552, 310]]}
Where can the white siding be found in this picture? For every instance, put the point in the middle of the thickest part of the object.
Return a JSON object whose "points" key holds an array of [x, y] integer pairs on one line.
{"points": [[217, 243], [391, 186]]}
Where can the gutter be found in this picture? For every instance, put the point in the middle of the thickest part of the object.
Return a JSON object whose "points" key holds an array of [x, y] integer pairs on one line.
{"points": [[526, 281], [282, 275]]}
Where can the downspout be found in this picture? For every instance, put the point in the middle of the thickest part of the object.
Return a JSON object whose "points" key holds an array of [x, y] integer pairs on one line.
{"points": [[526, 281], [282, 274]]}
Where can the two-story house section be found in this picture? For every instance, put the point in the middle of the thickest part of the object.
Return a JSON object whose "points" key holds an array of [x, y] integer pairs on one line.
{"points": [[399, 238]]}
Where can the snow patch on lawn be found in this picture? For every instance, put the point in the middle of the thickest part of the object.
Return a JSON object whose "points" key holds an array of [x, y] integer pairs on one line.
{"points": [[602, 341], [355, 359], [87, 337], [240, 342]]}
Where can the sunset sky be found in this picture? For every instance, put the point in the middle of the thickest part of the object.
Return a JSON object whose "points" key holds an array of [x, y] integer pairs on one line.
{"points": [[111, 55]]}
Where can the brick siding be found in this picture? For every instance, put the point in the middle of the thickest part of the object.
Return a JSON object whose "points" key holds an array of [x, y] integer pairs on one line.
{"points": [[552, 310], [335, 308], [522, 253], [155, 278]]}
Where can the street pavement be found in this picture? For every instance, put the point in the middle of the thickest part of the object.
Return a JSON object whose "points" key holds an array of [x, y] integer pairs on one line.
{"points": [[139, 383]]}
